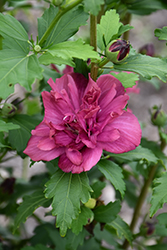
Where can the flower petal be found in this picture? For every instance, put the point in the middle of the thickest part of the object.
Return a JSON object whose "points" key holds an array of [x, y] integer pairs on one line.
{"points": [[74, 156]]}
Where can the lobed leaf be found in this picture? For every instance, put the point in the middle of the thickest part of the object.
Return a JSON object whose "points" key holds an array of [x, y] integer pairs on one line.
{"points": [[159, 196], [6, 126], [108, 27], [113, 173], [93, 6], [66, 26], [17, 67], [146, 66], [29, 205], [66, 51], [128, 80], [161, 33], [67, 190]]}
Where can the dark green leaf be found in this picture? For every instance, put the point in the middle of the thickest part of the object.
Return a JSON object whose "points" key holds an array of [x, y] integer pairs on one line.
{"points": [[107, 213], [160, 230], [108, 27], [17, 67], [146, 66], [113, 173], [67, 190], [162, 218], [121, 228], [85, 216], [156, 247], [161, 33], [19, 138], [93, 6], [159, 196], [12, 43], [73, 241], [137, 154], [5, 127], [29, 205], [97, 188], [128, 80], [67, 25]]}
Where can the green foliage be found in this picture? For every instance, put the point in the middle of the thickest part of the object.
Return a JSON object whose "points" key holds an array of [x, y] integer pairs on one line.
{"points": [[19, 137], [66, 51], [66, 27], [93, 6], [128, 80], [121, 227], [159, 196], [108, 27], [161, 33], [5, 127], [17, 67], [113, 173], [145, 66], [107, 213], [66, 205]]}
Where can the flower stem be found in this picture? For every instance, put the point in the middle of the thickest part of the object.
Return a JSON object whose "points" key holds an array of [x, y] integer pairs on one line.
{"points": [[93, 42], [60, 13]]}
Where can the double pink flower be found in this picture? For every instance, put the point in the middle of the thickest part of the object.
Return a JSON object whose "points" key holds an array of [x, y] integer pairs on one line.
{"points": [[83, 118]]}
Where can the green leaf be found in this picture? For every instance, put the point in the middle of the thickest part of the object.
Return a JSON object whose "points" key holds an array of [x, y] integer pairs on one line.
{"points": [[5, 127], [19, 138], [70, 49], [137, 154], [107, 213], [12, 43], [97, 189], [85, 216], [73, 241], [29, 205], [146, 66], [121, 228], [162, 218], [159, 196], [156, 247], [66, 27], [113, 173], [47, 59], [124, 28], [93, 6], [161, 33], [17, 67], [12, 28], [67, 190], [108, 27], [128, 80]]}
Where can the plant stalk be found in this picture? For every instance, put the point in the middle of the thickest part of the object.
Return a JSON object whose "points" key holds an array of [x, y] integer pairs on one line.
{"points": [[93, 42], [60, 13], [142, 197]]}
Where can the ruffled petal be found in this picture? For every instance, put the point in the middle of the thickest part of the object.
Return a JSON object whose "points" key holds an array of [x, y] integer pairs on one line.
{"points": [[74, 156]]}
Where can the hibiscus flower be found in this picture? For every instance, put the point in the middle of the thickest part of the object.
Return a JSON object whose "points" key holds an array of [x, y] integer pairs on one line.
{"points": [[83, 118]]}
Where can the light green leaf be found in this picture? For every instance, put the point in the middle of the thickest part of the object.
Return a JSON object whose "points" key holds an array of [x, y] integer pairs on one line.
{"points": [[66, 27], [70, 49], [17, 67], [108, 27], [137, 154], [5, 127], [47, 59], [107, 213], [29, 205], [12, 28], [67, 190], [161, 33], [93, 6], [124, 28], [113, 173], [12, 43], [159, 196], [19, 137], [146, 66], [85, 216], [121, 228], [128, 80]]}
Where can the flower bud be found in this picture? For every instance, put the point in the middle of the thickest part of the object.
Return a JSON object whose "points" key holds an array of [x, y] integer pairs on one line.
{"points": [[37, 48], [8, 110], [57, 2], [117, 50], [158, 117], [91, 203]]}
